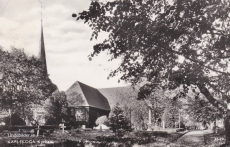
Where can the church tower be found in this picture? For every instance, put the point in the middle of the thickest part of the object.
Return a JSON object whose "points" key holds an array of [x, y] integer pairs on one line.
{"points": [[42, 55]]}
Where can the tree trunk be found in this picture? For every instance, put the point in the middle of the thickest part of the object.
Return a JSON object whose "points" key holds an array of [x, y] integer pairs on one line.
{"points": [[214, 127], [23, 113], [215, 103], [227, 129], [10, 113], [38, 131]]}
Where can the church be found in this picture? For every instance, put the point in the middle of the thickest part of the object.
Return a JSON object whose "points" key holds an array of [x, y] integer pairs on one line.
{"points": [[85, 102]]}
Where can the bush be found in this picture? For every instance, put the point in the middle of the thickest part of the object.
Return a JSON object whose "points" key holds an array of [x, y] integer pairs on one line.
{"points": [[49, 127], [182, 125], [149, 134], [180, 130], [15, 120], [102, 120], [3, 128], [118, 121], [126, 140]]}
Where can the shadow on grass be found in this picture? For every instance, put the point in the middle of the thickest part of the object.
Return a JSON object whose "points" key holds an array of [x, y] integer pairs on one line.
{"points": [[214, 139]]}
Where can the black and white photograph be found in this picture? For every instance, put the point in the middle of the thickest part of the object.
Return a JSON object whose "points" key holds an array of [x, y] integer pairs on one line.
{"points": [[114, 73]]}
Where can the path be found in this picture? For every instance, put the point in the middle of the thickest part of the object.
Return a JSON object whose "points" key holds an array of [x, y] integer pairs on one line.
{"points": [[192, 139]]}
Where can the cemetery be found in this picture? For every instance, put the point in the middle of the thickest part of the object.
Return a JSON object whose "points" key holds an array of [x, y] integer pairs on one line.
{"points": [[74, 118], [104, 133], [174, 60], [83, 136]]}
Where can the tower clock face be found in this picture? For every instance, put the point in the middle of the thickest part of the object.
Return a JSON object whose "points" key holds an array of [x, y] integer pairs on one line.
{"points": [[80, 115]]}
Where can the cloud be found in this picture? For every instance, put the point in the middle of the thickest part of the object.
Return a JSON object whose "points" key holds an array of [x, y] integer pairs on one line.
{"points": [[67, 41]]}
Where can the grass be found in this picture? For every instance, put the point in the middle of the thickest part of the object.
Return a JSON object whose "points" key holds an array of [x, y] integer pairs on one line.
{"points": [[176, 135], [132, 138], [214, 139], [157, 138]]}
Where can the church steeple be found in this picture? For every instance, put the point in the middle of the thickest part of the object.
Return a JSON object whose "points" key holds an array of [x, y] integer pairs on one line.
{"points": [[43, 53]]}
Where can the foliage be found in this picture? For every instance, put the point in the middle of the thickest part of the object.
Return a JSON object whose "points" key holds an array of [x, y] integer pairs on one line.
{"points": [[117, 120], [15, 120], [169, 43], [22, 81], [135, 111], [138, 112], [200, 109], [75, 99], [126, 140], [57, 109], [164, 104], [152, 37], [102, 120]]}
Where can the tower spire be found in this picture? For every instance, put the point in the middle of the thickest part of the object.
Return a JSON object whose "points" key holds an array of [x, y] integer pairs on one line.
{"points": [[42, 50]]}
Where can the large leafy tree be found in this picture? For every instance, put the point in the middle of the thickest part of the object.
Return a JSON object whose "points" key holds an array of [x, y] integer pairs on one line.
{"points": [[199, 108], [151, 37], [135, 111], [75, 99], [22, 82], [159, 98], [57, 109]]}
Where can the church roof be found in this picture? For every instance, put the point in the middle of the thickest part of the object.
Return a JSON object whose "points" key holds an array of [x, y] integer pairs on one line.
{"points": [[42, 55], [91, 96]]}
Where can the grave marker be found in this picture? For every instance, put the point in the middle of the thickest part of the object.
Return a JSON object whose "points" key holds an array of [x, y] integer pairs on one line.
{"points": [[63, 127]]}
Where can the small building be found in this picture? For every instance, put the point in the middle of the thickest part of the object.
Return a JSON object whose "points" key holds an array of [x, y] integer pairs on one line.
{"points": [[87, 104]]}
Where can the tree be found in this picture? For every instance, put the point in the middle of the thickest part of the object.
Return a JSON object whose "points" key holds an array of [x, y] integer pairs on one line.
{"points": [[118, 122], [165, 104], [75, 99], [102, 120], [136, 112], [200, 109], [22, 82], [57, 109], [14, 120], [169, 42]]}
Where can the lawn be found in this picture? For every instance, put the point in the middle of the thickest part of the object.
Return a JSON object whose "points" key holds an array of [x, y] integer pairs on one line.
{"points": [[214, 139], [138, 138]]}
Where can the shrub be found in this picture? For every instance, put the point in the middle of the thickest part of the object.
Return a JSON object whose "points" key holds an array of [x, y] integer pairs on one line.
{"points": [[102, 120], [3, 128], [15, 120], [180, 130], [118, 122]]}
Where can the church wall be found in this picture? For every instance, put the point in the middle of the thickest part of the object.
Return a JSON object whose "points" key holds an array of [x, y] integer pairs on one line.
{"points": [[81, 114], [87, 115]]}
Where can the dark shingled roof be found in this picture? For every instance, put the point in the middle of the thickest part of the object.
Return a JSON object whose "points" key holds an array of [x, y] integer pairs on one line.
{"points": [[119, 94], [93, 97]]}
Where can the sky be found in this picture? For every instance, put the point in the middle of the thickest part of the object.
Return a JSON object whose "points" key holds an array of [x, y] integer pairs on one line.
{"points": [[67, 41]]}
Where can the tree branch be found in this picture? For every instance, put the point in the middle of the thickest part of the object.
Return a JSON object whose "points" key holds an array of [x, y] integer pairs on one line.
{"points": [[209, 96], [200, 63]]}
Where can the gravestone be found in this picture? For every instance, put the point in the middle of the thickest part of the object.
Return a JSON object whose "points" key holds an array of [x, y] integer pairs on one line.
{"points": [[63, 127], [150, 118]]}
